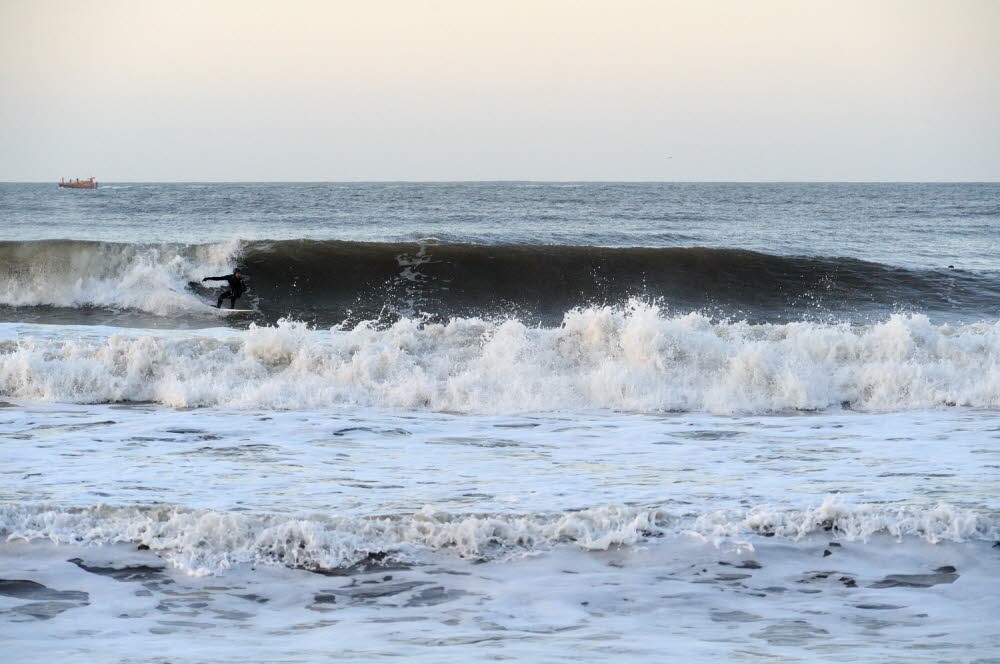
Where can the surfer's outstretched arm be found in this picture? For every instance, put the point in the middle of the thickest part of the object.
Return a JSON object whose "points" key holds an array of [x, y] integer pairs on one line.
{"points": [[216, 278]]}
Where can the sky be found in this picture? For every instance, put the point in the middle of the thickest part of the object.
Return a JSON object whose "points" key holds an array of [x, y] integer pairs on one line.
{"points": [[299, 90]]}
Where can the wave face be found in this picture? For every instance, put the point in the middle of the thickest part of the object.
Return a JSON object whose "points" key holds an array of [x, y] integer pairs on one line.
{"points": [[328, 282], [204, 542], [636, 359]]}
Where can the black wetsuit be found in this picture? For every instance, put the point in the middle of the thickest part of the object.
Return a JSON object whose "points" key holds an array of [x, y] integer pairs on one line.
{"points": [[236, 289]]}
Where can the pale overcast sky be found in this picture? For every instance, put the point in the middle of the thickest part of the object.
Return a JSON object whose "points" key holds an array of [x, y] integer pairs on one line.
{"points": [[500, 90]]}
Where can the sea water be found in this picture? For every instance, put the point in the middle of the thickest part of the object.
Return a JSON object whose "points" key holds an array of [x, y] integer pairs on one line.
{"points": [[539, 422]]}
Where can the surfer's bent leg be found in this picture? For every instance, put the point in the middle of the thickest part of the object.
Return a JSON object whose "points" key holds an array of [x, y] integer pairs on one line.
{"points": [[218, 305]]}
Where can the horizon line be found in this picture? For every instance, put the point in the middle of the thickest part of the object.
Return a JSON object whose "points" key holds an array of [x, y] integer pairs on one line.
{"points": [[516, 181]]}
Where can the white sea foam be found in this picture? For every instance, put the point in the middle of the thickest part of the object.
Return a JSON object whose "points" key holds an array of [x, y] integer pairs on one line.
{"points": [[206, 542], [634, 359], [150, 278], [934, 524], [202, 542]]}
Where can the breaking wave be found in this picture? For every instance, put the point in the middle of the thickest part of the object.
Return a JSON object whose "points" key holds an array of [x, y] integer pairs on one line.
{"points": [[76, 273], [204, 542], [327, 282], [634, 359]]}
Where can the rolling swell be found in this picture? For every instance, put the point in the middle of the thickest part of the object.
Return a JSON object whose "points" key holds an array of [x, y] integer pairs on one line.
{"points": [[328, 282]]}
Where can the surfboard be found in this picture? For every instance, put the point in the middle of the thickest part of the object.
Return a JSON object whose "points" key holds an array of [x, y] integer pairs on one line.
{"points": [[224, 310]]}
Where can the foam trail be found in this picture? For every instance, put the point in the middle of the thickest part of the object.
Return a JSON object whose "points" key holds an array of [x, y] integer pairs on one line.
{"points": [[635, 359]]}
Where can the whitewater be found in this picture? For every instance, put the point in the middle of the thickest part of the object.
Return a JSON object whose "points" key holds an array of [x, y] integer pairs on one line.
{"points": [[542, 422], [636, 359]]}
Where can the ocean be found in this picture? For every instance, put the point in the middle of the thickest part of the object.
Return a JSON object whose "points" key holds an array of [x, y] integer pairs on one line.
{"points": [[545, 422]]}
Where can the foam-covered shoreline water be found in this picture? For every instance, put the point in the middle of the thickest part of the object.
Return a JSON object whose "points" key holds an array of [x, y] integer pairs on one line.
{"points": [[635, 359], [671, 598], [433, 535]]}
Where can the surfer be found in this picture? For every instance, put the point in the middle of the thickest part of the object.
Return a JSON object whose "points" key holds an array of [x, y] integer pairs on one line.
{"points": [[236, 288]]}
